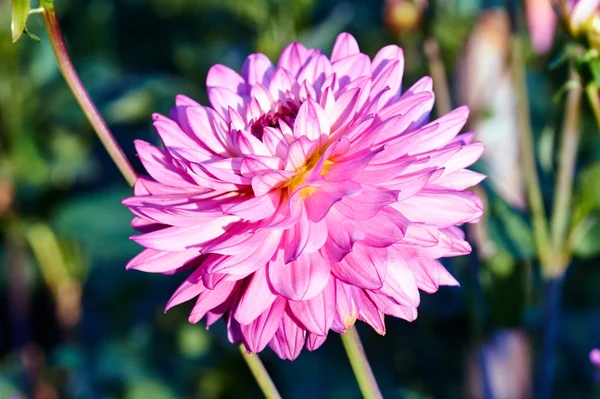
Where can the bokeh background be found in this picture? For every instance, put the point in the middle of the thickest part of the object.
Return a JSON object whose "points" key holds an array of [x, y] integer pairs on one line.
{"points": [[75, 324]]}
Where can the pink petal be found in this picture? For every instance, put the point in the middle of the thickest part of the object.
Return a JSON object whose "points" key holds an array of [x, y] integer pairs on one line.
{"points": [[210, 299], [347, 306], [313, 341], [210, 129], [344, 109], [162, 167], [351, 68], [298, 153], [289, 339], [222, 76], [319, 202], [364, 267], [293, 57], [190, 288], [366, 205], [371, 314], [258, 69], [315, 71], [316, 314], [342, 233], [384, 229], [263, 184], [400, 283], [345, 45], [221, 99], [448, 127], [152, 261], [245, 264], [388, 305], [257, 297], [441, 208], [311, 122], [181, 238], [300, 280], [304, 238], [255, 208], [258, 333], [282, 82]]}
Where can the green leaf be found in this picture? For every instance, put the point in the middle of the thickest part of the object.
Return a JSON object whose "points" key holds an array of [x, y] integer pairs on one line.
{"points": [[588, 188], [20, 12], [586, 246], [595, 70]]}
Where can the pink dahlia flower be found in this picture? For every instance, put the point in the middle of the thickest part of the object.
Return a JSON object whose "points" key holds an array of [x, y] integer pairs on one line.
{"points": [[310, 194]]}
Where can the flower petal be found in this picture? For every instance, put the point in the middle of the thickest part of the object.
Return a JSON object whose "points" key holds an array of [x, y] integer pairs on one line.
{"points": [[300, 280]]}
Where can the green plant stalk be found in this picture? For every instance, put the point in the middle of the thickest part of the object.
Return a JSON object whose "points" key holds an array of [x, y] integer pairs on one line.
{"points": [[260, 374], [594, 100], [80, 93], [527, 153], [561, 211], [360, 365]]}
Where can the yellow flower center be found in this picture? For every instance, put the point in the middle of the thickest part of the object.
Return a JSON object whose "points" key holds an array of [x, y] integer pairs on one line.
{"points": [[301, 173]]}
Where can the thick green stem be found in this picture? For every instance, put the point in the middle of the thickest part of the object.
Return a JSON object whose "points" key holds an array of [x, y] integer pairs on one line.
{"points": [[260, 374], [81, 95], [527, 152], [360, 365], [566, 169]]}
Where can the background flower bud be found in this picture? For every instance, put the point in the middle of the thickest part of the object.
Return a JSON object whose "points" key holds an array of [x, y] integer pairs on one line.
{"points": [[20, 12]]}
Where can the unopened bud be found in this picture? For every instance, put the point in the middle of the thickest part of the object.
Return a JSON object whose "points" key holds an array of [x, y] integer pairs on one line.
{"points": [[20, 12], [403, 16]]}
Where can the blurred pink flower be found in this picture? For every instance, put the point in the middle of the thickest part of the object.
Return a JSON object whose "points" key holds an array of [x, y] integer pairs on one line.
{"points": [[485, 60], [541, 20], [579, 12], [311, 194], [595, 357]]}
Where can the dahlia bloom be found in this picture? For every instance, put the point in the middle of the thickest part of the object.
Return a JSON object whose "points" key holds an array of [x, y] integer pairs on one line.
{"points": [[308, 195]]}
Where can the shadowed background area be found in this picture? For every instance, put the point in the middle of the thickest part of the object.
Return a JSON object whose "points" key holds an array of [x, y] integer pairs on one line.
{"points": [[75, 324]]}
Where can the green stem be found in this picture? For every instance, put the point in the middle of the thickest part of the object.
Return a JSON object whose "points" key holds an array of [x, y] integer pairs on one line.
{"points": [[360, 365], [81, 95], [260, 374], [594, 100], [566, 169], [527, 153]]}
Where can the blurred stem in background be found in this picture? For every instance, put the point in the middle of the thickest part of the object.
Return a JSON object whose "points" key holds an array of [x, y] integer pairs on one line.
{"points": [[360, 364], [527, 151], [552, 246], [443, 105], [81, 95], [118, 156]]}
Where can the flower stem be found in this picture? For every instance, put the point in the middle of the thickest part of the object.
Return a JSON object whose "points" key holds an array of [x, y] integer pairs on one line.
{"points": [[438, 74], [527, 153], [566, 169], [260, 374], [594, 100], [81, 95], [360, 365], [551, 326]]}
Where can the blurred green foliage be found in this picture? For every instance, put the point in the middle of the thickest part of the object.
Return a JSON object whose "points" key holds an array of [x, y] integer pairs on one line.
{"points": [[75, 324]]}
